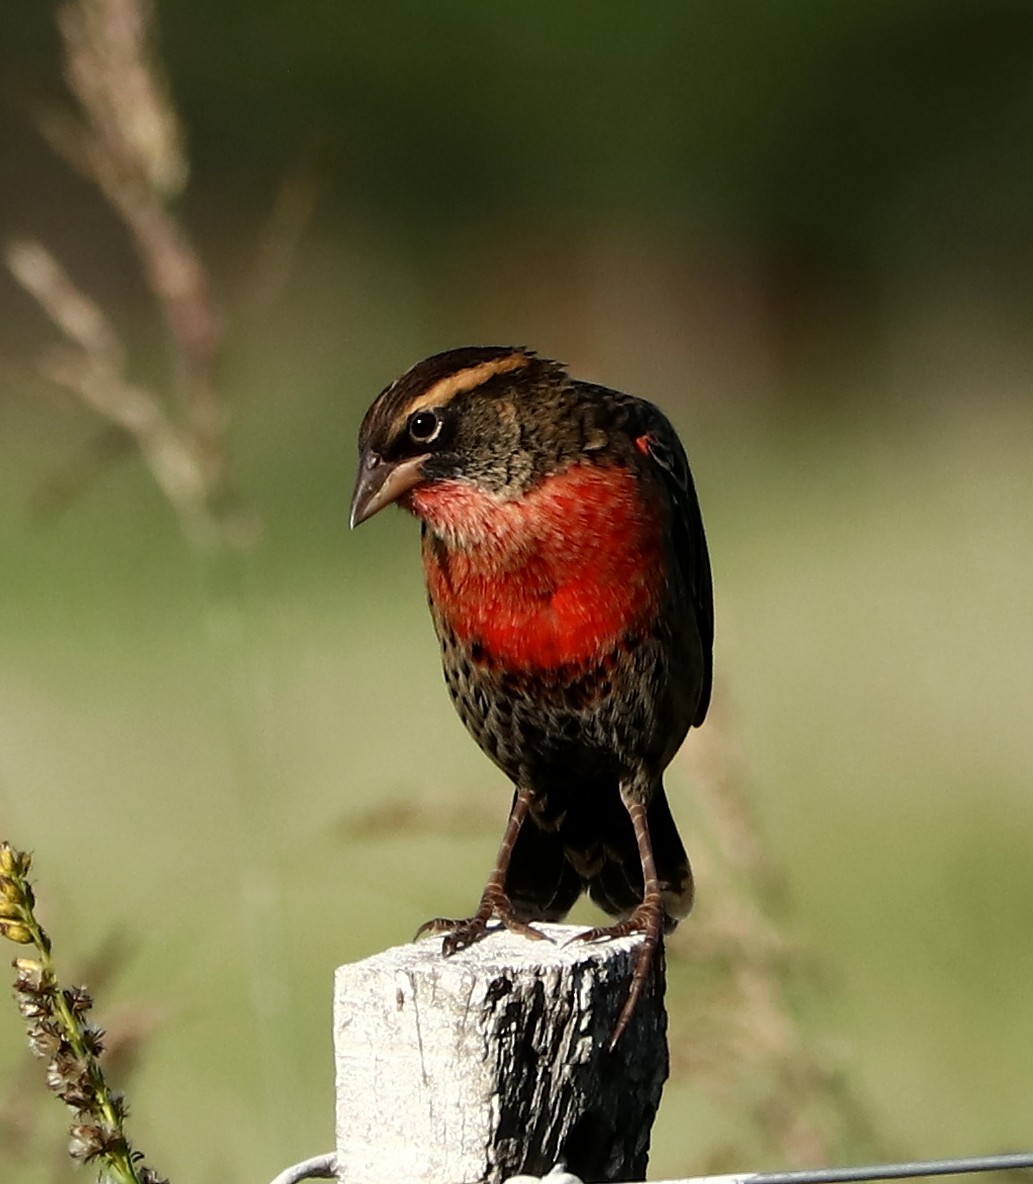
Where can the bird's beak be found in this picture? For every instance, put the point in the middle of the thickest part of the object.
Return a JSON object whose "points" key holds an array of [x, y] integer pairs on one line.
{"points": [[382, 482]]}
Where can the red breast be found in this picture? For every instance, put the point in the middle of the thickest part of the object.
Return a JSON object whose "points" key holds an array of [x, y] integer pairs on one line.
{"points": [[554, 577]]}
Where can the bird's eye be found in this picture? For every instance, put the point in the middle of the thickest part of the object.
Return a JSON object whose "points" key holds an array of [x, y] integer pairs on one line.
{"points": [[424, 426]]}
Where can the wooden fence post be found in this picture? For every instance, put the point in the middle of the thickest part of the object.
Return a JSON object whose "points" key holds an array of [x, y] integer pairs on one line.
{"points": [[495, 1062]]}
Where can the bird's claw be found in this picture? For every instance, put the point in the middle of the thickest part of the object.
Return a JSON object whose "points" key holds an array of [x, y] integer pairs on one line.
{"points": [[461, 934], [606, 932], [458, 933], [647, 919]]}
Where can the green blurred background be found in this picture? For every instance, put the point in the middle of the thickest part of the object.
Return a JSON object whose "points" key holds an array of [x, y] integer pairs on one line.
{"points": [[806, 231]]}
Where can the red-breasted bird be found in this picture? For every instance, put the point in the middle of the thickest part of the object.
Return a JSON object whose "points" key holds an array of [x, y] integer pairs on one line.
{"points": [[569, 585]]}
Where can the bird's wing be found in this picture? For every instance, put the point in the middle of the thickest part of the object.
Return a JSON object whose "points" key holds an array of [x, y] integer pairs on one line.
{"points": [[660, 443]]}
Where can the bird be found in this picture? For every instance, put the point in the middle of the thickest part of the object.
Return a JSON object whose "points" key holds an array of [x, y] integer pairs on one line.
{"points": [[570, 589]]}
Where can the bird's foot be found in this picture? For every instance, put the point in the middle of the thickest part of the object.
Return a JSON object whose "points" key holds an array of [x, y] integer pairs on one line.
{"points": [[495, 906], [647, 919]]}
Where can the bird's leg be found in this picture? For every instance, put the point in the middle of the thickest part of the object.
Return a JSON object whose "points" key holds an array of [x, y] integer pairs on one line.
{"points": [[646, 918], [495, 903]]}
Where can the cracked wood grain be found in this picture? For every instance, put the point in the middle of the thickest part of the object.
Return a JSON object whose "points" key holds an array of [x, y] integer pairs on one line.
{"points": [[495, 1062]]}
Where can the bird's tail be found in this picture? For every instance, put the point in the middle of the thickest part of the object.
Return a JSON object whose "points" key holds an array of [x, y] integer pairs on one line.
{"points": [[541, 883], [592, 848]]}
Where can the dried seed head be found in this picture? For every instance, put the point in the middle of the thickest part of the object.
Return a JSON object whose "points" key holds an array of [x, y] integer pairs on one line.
{"points": [[15, 931], [79, 1096], [148, 1176], [90, 1141], [32, 978], [79, 1001], [10, 909], [34, 994], [34, 1007], [64, 1068], [93, 1039], [83, 1143], [44, 1039], [13, 863]]}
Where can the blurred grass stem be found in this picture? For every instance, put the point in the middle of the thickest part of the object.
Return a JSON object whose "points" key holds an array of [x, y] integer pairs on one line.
{"points": [[124, 136]]}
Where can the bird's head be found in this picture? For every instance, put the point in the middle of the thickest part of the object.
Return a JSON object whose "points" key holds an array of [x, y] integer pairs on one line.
{"points": [[482, 415]]}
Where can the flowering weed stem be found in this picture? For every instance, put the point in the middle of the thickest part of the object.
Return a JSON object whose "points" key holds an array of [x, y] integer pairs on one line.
{"points": [[59, 1032]]}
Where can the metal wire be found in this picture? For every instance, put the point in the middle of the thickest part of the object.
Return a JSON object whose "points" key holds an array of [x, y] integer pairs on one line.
{"points": [[874, 1171], [323, 1167], [319, 1167]]}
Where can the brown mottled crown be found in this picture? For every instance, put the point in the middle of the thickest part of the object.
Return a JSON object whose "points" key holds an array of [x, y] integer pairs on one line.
{"points": [[436, 381]]}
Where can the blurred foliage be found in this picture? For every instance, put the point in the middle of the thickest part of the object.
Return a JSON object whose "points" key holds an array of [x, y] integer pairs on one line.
{"points": [[815, 139], [807, 231]]}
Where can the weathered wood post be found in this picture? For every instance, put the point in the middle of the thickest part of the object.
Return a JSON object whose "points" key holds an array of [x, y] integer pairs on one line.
{"points": [[495, 1061]]}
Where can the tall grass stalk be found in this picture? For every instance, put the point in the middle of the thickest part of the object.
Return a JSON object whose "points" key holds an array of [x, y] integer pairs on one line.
{"points": [[124, 135]]}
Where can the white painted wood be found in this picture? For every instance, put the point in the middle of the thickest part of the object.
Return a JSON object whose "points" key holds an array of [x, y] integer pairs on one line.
{"points": [[495, 1062]]}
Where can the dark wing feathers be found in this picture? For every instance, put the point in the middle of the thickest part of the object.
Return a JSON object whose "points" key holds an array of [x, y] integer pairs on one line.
{"points": [[648, 430], [690, 541]]}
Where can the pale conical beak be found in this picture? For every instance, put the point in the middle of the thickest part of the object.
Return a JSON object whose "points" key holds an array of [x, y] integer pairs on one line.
{"points": [[380, 482]]}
